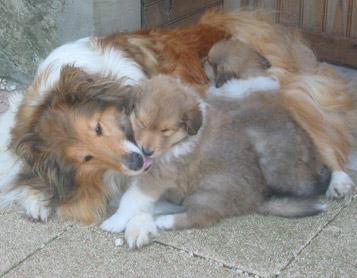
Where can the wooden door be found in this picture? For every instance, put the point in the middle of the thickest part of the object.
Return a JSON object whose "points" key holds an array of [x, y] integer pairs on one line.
{"points": [[174, 12], [329, 25]]}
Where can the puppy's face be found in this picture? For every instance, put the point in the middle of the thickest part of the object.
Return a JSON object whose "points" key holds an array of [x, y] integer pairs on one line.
{"points": [[165, 113], [230, 59]]}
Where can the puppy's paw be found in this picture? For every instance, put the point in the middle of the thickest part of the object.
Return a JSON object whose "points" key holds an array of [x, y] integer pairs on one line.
{"points": [[114, 224], [341, 186], [140, 231], [165, 222]]}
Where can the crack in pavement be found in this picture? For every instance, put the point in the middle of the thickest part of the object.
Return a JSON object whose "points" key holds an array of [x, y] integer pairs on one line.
{"points": [[46, 243], [209, 259], [311, 239]]}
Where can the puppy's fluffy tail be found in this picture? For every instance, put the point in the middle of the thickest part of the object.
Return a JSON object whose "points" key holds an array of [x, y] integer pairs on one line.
{"points": [[291, 207]]}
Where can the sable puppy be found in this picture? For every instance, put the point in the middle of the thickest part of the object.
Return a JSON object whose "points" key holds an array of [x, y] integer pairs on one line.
{"points": [[233, 59], [221, 165]]}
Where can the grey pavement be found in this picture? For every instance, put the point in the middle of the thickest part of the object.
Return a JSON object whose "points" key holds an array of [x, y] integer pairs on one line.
{"points": [[254, 245]]}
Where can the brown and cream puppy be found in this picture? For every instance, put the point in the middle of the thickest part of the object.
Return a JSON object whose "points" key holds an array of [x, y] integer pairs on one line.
{"points": [[216, 164], [233, 59]]}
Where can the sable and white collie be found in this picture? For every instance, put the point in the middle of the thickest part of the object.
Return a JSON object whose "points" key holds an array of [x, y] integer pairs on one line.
{"points": [[68, 143]]}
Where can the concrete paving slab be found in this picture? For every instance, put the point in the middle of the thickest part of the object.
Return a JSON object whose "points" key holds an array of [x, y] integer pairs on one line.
{"points": [[333, 252], [89, 252], [19, 237], [255, 244]]}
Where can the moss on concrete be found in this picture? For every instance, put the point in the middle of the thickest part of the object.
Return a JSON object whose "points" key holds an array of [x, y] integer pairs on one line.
{"points": [[28, 31]]}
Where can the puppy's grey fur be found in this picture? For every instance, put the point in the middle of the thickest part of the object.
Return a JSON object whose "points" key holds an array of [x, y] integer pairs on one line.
{"points": [[220, 164]]}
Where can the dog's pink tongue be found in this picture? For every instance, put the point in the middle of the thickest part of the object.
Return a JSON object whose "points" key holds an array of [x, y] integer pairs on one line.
{"points": [[147, 162]]}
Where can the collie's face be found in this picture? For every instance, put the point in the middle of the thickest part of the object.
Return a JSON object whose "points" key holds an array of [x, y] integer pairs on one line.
{"points": [[80, 131], [165, 113]]}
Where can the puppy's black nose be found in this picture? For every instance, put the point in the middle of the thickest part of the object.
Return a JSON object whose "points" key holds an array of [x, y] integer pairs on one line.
{"points": [[134, 161], [147, 152]]}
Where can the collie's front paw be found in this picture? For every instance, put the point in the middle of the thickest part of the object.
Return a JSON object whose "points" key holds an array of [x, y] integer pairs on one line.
{"points": [[37, 209], [140, 231], [341, 186], [114, 224]]}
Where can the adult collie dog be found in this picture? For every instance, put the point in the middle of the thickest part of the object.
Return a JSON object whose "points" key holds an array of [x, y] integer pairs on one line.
{"points": [[71, 141]]}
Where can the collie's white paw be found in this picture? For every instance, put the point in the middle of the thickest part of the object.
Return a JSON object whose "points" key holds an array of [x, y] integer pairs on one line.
{"points": [[34, 202], [165, 222], [140, 231], [341, 186], [37, 209], [114, 224]]}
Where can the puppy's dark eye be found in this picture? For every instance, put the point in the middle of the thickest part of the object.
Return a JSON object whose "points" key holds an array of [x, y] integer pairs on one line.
{"points": [[98, 129], [164, 130], [87, 158]]}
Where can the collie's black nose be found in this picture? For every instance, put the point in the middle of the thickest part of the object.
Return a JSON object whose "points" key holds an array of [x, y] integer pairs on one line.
{"points": [[147, 152], [134, 161]]}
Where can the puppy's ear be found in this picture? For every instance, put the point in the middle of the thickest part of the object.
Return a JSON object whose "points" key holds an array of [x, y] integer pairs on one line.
{"points": [[192, 120], [222, 77], [264, 62]]}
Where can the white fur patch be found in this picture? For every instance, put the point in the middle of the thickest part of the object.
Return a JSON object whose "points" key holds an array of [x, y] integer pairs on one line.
{"points": [[140, 230], [86, 54], [242, 88], [165, 222], [9, 164], [341, 185], [132, 203]]}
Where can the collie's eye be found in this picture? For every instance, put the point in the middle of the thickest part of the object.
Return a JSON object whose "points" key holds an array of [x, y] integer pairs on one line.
{"points": [[87, 158], [164, 130], [98, 129]]}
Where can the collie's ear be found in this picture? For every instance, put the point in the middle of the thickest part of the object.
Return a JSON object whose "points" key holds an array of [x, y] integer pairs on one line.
{"points": [[72, 86], [27, 147], [192, 120], [72, 78], [60, 174], [56, 173]]}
